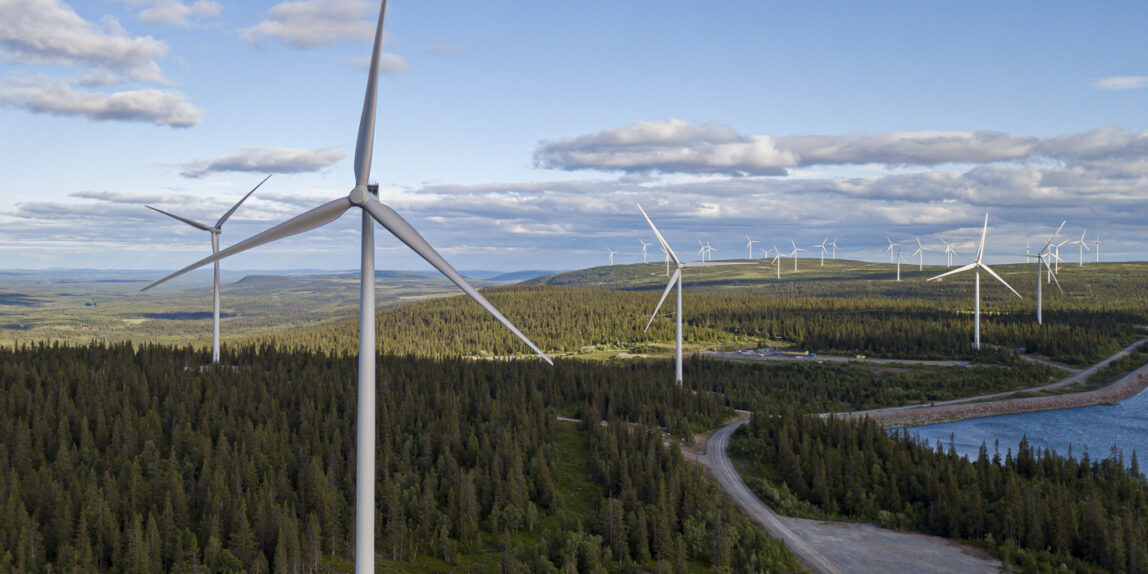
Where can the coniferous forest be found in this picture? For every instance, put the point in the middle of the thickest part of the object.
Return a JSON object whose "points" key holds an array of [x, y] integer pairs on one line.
{"points": [[123, 459], [1040, 510]]}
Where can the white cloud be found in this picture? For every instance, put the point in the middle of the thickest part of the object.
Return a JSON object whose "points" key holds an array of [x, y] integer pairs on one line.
{"points": [[160, 107], [1121, 83], [49, 32], [311, 23], [265, 160], [392, 64], [908, 148], [176, 13]]}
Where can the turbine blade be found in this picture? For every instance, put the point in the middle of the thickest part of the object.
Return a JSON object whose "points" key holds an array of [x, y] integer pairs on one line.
{"points": [[658, 234], [227, 215], [321, 215], [366, 142], [194, 224], [994, 274], [399, 227], [665, 293], [984, 232], [954, 271], [1052, 274]]}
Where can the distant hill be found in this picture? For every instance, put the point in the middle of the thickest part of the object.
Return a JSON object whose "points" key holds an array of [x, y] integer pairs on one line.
{"points": [[518, 276]]}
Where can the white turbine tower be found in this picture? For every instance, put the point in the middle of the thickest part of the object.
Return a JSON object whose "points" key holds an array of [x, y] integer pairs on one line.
{"points": [[710, 250], [900, 258], [363, 198], [1056, 253], [793, 254], [1042, 258], [612, 252], [702, 250], [921, 249], [823, 249], [777, 260], [214, 230], [949, 253], [976, 266], [644, 246], [892, 246], [1083, 246], [834, 245], [749, 247], [1097, 245], [676, 279]]}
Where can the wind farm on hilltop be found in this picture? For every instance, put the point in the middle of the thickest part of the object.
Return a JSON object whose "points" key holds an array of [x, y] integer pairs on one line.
{"points": [[512, 379]]}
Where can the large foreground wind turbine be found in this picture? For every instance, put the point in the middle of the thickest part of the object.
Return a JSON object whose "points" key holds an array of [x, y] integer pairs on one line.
{"points": [[676, 279], [214, 230], [977, 265], [1043, 257], [372, 209]]}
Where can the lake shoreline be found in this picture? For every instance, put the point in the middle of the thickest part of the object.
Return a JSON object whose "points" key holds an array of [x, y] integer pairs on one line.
{"points": [[1125, 388]]}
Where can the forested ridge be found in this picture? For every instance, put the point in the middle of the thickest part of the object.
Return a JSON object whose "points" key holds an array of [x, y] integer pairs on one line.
{"points": [[565, 319], [1039, 509], [125, 459]]}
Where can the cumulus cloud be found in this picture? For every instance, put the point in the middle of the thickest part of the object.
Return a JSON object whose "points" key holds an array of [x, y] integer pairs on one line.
{"points": [[160, 107], [392, 64], [667, 146], [265, 160], [176, 13], [908, 148], [1121, 83], [311, 23], [49, 32]]}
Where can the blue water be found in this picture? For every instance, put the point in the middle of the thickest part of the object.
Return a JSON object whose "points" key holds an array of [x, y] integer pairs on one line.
{"points": [[1097, 428]]}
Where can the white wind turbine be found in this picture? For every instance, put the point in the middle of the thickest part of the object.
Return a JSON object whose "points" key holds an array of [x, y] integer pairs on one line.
{"points": [[900, 258], [1056, 253], [823, 249], [1097, 245], [793, 254], [892, 246], [1082, 245], [710, 250], [777, 260], [644, 246], [214, 230], [834, 245], [949, 253], [921, 249], [676, 279], [1042, 257], [612, 252], [363, 198], [749, 247], [976, 266], [764, 253], [702, 249]]}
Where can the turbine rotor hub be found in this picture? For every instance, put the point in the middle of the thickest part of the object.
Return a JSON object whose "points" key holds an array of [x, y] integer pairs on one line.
{"points": [[358, 195]]}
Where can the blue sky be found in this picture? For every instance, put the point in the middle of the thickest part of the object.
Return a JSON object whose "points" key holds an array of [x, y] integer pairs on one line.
{"points": [[520, 134]]}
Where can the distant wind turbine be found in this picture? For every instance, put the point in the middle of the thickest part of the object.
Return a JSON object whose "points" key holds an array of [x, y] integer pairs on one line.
{"points": [[749, 247], [644, 246], [900, 258], [362, 197], [794, 254], [834, 245], [612, 252], [921, 249], [676, 279], [949, 253], [1097, 245], [214, 230], [892, 246], [777, 260], [823, 249], [976, 266], [1042, 258], [1083, 246]]}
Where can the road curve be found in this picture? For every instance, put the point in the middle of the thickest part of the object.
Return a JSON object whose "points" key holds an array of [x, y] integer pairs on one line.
{"points": [[732, 483]]}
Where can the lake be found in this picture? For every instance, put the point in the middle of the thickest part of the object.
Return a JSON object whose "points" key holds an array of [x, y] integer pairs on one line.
{"points": [[1096, 428]]}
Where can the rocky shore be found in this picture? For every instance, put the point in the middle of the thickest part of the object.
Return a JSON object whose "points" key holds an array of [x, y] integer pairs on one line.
{"points": [[1125, 388]]}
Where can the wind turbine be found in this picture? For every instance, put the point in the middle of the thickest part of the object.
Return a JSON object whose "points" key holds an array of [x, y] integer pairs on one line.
{"points": [[1056, 250], [1097, 245], [710, 250], [667, 261], [676, 279], [777, 260], [834, 245], [214, 230], [764, 253], [612, 252], [1083, 246], [702, 249], [900, 258], [644, 246], [1042, 257], [362, 197], [794, 253], [749, 246], [1028, 249], [823, 250], [921, 249], [976, 266], [949, 253], [891, 247]]}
